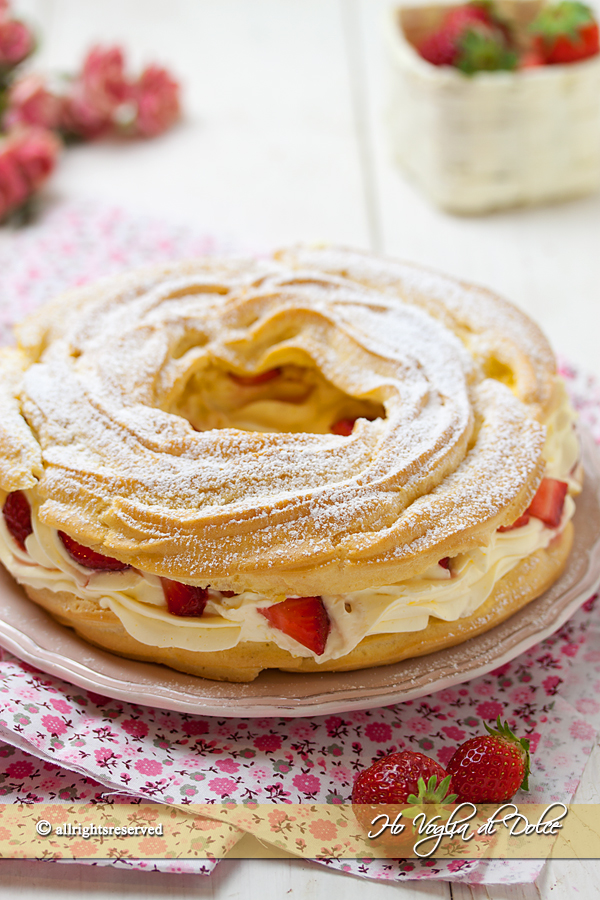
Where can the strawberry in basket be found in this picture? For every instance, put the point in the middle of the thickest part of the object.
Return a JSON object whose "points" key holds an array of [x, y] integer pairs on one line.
{"points": [[472, 38], [564, 33]]}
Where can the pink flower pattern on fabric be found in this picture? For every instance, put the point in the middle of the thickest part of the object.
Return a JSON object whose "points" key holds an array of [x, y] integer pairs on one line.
{"points": [[379, 732], [54, 725], [137, 728], [490, 710], [268, 742]]}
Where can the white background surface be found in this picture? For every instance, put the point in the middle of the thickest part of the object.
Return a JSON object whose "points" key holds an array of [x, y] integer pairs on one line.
{"points": [[284, 140]]}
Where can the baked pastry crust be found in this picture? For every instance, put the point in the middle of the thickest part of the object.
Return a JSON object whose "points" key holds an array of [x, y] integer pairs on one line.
{"points": [[463, 376]]}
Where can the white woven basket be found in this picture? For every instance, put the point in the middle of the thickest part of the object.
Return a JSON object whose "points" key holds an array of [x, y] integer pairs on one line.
{"points": [[495, 139]]}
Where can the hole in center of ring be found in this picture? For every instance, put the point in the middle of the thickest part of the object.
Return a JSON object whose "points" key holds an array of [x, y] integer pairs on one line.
{"points": [[286, 399]]}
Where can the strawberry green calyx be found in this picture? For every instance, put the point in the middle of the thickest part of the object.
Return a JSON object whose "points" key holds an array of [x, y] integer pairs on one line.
{"points": [[485, 6], [432, 792], [482, 49], [564, 18], [504, 732]]}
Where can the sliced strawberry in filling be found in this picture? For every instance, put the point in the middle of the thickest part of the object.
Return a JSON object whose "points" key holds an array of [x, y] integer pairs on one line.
{"points": [[184, 599], [253, 380], [346, 426], [343, 427], [518, 523], [444, 563], [17, 516], [548, 502], [304, 619], [89, 558]]}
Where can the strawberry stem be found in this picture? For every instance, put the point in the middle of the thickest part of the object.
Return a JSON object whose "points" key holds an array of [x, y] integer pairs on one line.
{"points": [[567, 17], [432, 792]]}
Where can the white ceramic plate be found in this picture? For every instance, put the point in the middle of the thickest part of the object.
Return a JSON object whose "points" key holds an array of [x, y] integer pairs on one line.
{"points": [[31, 634]]}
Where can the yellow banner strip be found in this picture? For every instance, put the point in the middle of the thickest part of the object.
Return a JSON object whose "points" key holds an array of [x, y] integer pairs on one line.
{"points": [[311, 831]]}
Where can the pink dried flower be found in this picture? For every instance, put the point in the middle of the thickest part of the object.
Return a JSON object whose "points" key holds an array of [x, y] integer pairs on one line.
{"points": [[27, 157], [14, 189], [79, 117], [36, 151], [157, 95], [97, 93], [104, 81], [31, 103], [16, 42]]}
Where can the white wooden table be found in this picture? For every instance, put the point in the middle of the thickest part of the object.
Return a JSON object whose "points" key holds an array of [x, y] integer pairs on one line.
{"points": [[284, 140]]}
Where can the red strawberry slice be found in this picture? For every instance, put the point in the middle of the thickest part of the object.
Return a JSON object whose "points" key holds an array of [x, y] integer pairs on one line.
{"points": [[184, 599], [548, 503], [17, 515], [343, 427], [444, 563], [518, 523], [89, 558], [253, 380], [346, 426], [304, 619]]}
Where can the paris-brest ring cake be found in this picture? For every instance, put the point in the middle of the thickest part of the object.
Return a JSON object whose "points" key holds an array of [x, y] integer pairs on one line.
{"points": [[320, 461]]}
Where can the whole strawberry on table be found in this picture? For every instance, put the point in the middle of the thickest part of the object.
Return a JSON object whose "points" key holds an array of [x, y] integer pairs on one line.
{"points": [[399, 779], [488, 768]]}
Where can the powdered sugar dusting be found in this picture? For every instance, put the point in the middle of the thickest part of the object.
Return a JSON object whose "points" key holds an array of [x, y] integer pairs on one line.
{"points": [[488, 324], [110, 363]]}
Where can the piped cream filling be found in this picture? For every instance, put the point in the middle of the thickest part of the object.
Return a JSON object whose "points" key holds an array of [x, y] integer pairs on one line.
{"points": [[137, 598]]}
